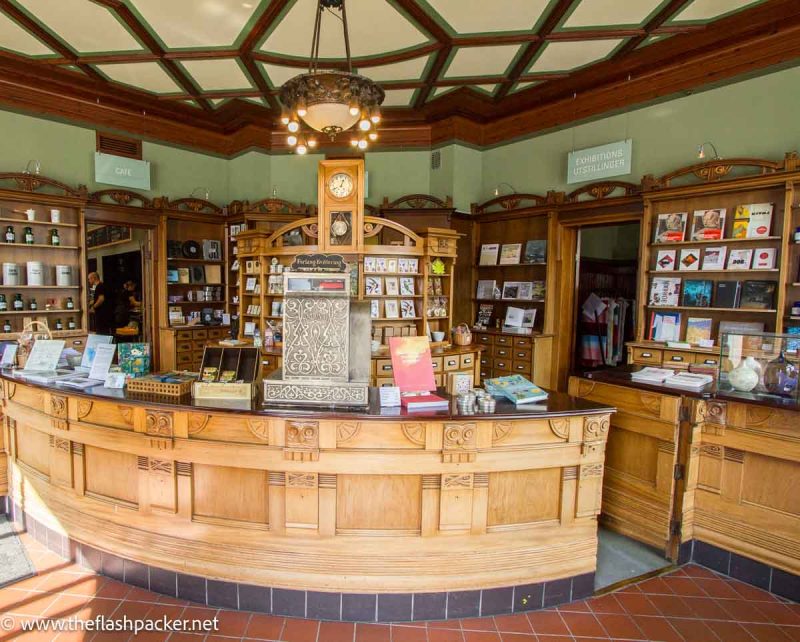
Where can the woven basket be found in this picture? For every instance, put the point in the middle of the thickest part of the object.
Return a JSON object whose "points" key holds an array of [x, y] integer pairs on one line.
{"points": [[30, 333], [463, 338], [146, 385]]}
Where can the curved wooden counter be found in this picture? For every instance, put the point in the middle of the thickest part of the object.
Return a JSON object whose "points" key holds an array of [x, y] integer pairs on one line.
{"points": [[345, 502]]}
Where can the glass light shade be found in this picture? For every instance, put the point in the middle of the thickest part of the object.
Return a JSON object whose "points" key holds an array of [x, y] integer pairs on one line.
{"points": [[292, 140], [312, 142], [302, 149], [354, 142], [293, 126], [373, 135], [375, 115], [364, 124], [324, 115], [362, 144]]}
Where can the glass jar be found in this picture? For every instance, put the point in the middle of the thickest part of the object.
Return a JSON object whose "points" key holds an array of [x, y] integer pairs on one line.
{"points": [[59, 325], [10, 236], [18, 304], [780, 376], [29, 240], [32, 305], [70, 324], [3, 302], [54, 240], [6, 326], [70, 304]]}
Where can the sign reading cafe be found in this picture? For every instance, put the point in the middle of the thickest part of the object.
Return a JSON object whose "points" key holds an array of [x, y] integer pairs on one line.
{"points": [[604, 161]]}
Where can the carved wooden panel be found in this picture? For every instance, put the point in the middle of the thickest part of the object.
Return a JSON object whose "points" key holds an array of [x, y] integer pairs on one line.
{"points": [[111, 475], [33, 448], [162, 490], [213, 497], [524, 496], [382, 435], [158, 426], [400, 496], [346, 431], [302, 440], [105, 413], [771, 483], [302, 500], [455, 502], [460, 442], [633, 455], [58, 406], [28, 396]]}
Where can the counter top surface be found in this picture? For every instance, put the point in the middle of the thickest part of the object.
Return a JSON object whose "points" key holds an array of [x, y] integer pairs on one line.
{"points": [[557, 405], [621, 376]]}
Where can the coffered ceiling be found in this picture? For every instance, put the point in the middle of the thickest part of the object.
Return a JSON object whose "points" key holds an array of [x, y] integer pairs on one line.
{"points": [[213, 68]]}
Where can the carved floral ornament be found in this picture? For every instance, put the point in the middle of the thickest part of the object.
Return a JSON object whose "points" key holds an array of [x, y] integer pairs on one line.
{"points": [[158, 424], [596, 427]]}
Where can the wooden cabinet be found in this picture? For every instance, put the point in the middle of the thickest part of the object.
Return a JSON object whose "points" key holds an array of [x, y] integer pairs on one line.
{"points": [[445, 361], [182, 348], [507, 354]]}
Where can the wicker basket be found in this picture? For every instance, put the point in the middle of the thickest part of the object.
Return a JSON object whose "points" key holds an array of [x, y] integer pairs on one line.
{"points": [[462, 335], [27, 338], [150, 385]]}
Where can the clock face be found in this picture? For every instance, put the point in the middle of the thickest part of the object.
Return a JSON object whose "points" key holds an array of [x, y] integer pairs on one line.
{"points": [[340, 185]]}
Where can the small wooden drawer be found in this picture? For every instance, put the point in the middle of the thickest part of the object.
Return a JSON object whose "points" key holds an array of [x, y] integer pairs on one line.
{"points": [[501, 340], [486, 362], [523, 342], [502, 351], [185, 357], [522, 367], [197, 355], [706, 360], [200, 334], [484, 374], [270, 362], [216, 333], [198, 345], [438, 364], [502, 364], [76, 342], [485, 339], [451, 363], [384, 381], [183, 334], [383, 367], [521, 354], [184, 346], [646, 355], [672, 357], [467, 361], [438, 379]]}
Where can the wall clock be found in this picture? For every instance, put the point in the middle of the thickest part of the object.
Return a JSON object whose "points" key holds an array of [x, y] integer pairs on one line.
{"points": [[340, 185], [341, 205]]}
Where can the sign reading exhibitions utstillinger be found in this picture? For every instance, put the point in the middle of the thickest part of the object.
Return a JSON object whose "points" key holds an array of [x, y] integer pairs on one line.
{"points": [[603, 161], [118, 170]]}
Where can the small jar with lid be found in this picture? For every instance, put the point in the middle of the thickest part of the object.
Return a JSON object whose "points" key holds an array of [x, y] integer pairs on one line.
{"points": [[70, 304], [32, 305], [59, 325], [29, 240], [54, 240], [6, 326], [3, 303], [10, 236], [18, 304], [70, 324]]}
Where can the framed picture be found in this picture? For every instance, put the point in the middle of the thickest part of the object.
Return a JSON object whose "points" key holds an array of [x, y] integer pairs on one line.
{"points": [[511, 290], [392, 288], [406, 285], [212, 250], [373, 286], [407, 309], [390, 309], [391, 265], [369, 264]]}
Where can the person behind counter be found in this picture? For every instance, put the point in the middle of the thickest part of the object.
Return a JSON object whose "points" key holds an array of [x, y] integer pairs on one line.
{"points": [[102, 306]]}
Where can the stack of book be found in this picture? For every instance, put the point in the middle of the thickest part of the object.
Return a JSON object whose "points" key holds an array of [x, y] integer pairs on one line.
{"points": [[515, 388], [652, 375]]}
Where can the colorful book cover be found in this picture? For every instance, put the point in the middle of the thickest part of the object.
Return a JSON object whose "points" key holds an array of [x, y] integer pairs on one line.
{"points": [[690, 259], [740, 259], [697, 328], [665, 261], [697, 293], [670, 228], [714, 258], [485, 314], [134, 358], [752, 221], [510, 253], [538, 290], [793, 345], [489, 254], [764, 258], [708, 225], [758, 295], [412, 364], [665, 326], [536, 251], [664, 291], [516, 388]]}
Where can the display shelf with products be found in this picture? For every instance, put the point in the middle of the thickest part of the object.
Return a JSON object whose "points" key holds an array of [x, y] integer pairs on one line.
{"points": [[738, 214]]}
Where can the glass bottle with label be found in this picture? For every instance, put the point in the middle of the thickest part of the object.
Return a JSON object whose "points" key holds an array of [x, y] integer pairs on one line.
{"points": [[18, 304], [33, 305], [29, 240], [6, 326], [3, 303], [70, 304], [59, 325], [54, 240], [70, 324], [10, 236]]}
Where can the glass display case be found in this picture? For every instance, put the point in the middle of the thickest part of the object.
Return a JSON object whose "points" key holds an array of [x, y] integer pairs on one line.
{"points": [[761, 364]]}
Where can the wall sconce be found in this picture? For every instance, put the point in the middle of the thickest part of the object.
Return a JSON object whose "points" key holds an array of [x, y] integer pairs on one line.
{"points": [[701, 152], [274, 192], [36, 167], [204, 191], [499, 185]]}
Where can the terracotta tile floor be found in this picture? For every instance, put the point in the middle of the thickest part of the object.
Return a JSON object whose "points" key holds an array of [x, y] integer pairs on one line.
{"points": [[691, 604]]}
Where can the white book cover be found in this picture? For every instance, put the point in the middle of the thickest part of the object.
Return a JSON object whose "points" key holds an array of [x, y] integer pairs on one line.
{"points": [[375, 309], [690, 259], [485, 289], [665, 260], [740, 259], [714, 258], [764, 258], [514, 317], [489, 254], [373, 286], [525, 290], [760, 220], [392, 288], [665, 291], [390, 309], [510, 253]]}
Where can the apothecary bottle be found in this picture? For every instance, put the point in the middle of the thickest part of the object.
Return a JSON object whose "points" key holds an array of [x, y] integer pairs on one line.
{"points": [[70, 304], [59, 325], [3, 303], [32, 305], [54, 240], [29, 240], [18, 304], [6, 326], [10, 236], [70, 324]]}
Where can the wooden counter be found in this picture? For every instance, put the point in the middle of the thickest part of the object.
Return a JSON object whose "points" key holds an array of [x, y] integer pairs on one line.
{"points": [[498, 510], [706, 475]]}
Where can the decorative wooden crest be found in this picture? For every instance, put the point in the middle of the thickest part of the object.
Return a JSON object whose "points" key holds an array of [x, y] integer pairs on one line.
{"points": [[603, 189], [509, 202], [280, 206], [34, 182], [199, 205], [302, 440], [460, 442], [120, 197], [713, 170], [346, 430], [417, 202]]}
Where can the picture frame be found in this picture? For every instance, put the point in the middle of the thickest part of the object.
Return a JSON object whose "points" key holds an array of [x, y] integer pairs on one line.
{"points": [[391, 286], [391, 309], [373, 286]]}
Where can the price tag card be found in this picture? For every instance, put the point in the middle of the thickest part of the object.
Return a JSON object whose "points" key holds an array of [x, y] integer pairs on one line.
{"points": [[390, 396], [8, 355], [115, 380]]}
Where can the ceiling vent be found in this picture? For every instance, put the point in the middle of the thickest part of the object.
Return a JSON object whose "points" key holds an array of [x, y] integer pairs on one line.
{"points": [[436, 159], [119, 145]]}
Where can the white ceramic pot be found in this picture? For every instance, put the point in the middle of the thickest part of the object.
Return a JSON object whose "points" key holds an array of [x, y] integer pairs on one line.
{"points": [[743, 377]]}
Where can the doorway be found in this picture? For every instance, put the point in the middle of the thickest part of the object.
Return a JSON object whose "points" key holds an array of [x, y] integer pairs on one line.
{"points": [[606, 275]]}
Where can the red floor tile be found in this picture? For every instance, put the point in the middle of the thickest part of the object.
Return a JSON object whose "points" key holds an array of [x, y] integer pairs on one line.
{"points": [[478, 624], [264, 627], [548, 622], [706, 608], [518, 637], [606, 604], [373, 632], [481, 636], [619, 626], [717, 588], [684, 586], [583, 624], [655, 585], [400, 633], [512, 624], [636, 604], [671, 606], [779, 613], [231, 623], [301, 631], [580, 606], [767, 632], [657, 629], [445, 635], [729, 631], [743, 611], [692, 630]]}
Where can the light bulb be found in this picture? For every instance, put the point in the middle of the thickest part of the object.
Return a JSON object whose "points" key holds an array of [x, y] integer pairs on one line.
{"points": [[373, 135], [293, 126], [302, 149], [375, 115], [291, 139], [353, 142], [701, 152], [285, 117], [301, 107], [312, 142], [355, 108], [362, 144], [364, 124]]}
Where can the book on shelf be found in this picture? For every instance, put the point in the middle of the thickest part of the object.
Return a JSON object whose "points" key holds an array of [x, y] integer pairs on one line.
{"points": [[511, 290], [510, 253], [485, 289], [375, 309], [708, 225], [407, 309], [485, 314], [213, 274], [727, 294], [714, 258], [652, 375], [697, 293], [538, 290], [525, 291], [690, 380], [513, 317], [529, 318], [392, 286], [407, 286], [516, 388], [744, 328], [665, 326], [793, 345], [489, 252], [183, 275], [758, 295], [175, 315], [172, 275], [764, 258], [412, 364], [535, 251], [390, 309], [373, 286], [690, 259], [665, 260], [740, 259], [697, 329], [664, 291], [670, 228], [752, 221], [416, 402]]}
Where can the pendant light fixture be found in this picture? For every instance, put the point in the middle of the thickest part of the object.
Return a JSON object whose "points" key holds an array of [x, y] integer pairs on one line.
{"points": [[330, 102]]}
